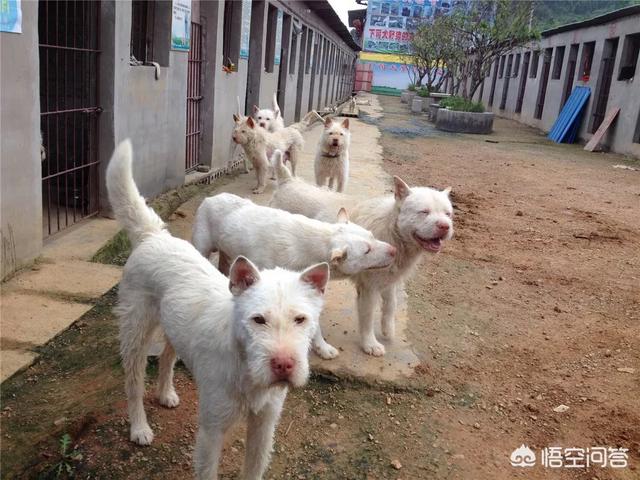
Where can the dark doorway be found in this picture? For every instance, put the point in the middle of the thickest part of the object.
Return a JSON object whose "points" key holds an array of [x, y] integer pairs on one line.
{"points": [[68, 53], [523, 81], [284, 61], [505, 86], [604, 82], [544, 80], [493, 83], [571, 73], [302, 60]]}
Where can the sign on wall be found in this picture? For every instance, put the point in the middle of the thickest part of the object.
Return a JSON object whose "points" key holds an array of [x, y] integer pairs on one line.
{"points": [[391, 24], [246, 28], [278, 38], [10, 16], [180, 25]]}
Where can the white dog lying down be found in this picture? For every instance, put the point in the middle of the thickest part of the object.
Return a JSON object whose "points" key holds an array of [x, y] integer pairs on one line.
{"points": [[245, 339], [413, 220], [235, 226]]}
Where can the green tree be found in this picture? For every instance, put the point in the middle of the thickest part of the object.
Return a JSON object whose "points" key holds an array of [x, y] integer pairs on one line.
{"points": [[485, 31]]}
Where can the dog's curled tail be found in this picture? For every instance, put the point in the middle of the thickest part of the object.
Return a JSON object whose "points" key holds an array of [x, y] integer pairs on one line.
{"points": [[282, 172], [129, 207]]}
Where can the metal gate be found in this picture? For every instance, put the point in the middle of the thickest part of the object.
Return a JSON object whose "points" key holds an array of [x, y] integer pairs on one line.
{"points": [[194, 98], [68, 51]]}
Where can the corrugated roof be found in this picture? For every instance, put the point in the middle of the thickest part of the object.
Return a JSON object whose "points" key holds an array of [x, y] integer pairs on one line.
{"points": [[325, 11], [606, 18]]}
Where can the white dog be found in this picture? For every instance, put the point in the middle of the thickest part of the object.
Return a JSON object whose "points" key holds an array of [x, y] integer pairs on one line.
{"points": [[413, 220], [270, 120], [236, 226], [332, 156], [245, 339], [260, 144]]}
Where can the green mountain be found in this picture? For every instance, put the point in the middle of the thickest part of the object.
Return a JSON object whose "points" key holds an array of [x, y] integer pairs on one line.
{"points": [[552, 13]]}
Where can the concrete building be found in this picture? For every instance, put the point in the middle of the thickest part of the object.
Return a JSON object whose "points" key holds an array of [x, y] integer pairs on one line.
{"points": [[82, 76], [532, 84]]}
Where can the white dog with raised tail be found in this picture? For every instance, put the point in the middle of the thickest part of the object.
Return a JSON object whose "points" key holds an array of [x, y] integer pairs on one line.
{"points": [[245, 338]]}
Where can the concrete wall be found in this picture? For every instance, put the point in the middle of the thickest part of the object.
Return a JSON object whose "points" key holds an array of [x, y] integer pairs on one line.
{"points": [[137, 105], [624, 93], [20, 164]]}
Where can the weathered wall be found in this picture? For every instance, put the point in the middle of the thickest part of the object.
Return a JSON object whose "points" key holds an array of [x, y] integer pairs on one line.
{"points": [[20, 164], [624, 93]]}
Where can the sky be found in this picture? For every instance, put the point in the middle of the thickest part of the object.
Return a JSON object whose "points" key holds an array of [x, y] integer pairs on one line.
{"points": [[342, 8]]}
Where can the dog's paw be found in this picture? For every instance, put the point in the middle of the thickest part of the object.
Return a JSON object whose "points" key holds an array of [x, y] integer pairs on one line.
{"points": [[374, 348], [326, 351], [169, 399], [142, 435], [257, 191]]}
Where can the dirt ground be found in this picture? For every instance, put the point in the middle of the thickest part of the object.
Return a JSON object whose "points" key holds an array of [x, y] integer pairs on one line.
{"points": [[534, 304]]}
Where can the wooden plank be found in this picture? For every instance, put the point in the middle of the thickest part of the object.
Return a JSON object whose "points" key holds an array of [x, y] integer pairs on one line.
{"points": [[604, 126]]}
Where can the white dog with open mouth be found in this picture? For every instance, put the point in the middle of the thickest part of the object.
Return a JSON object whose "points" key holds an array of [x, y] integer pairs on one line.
{"points": [[244, 338], [413, 220], [234, 226], [332, 155]]}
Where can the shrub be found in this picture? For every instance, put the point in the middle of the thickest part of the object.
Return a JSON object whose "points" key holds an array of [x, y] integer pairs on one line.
{"points": [[423, 92], [461, 105], [412, 87]]}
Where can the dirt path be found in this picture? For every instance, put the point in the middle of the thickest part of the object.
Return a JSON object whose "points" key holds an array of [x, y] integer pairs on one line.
{"points": [[534, 304]]}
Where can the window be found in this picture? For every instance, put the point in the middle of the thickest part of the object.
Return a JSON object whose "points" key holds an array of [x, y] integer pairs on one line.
{"points": [[629, 60], [516, 66], [293, 51], [307, 67], [534, 64], [557, 64], [270, 47], [501, 66], [231, 32], [587, 60], [142, 20]]}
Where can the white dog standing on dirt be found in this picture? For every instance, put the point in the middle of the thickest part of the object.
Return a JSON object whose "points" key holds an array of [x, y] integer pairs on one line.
{"points": [[413, 220], [233, 226], [244, 338], [260, 144], [332, 156]]}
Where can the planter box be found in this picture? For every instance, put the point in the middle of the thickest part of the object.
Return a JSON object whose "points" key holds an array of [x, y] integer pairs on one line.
{"points": [[432, 111], [404, 96], [410, 96], [464, 122], [416, 105]]}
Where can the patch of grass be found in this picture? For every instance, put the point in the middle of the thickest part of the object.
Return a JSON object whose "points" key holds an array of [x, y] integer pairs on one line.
{"points": [[460, 104], [117, 250]]}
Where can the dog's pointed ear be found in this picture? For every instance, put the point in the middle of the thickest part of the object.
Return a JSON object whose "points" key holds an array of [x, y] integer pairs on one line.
{"points": [[345, 123], [255, 109], [327, 122], [242, 275], [447, 191], [250, 122], [343, 217], [317, 276], [400, 189], [236, 118], [277, 112]]}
